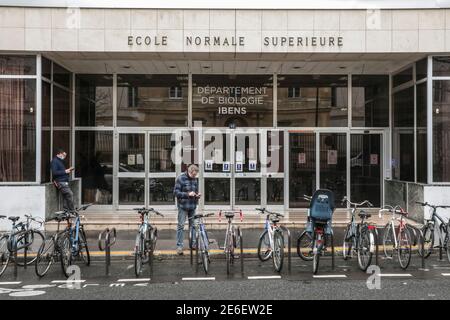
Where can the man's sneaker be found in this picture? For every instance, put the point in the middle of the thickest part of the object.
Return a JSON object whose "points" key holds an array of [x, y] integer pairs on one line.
{"points": [[180, 251]]}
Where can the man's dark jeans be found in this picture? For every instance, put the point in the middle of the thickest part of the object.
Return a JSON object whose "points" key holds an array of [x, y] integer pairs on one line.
{"points": [[67, 196]]}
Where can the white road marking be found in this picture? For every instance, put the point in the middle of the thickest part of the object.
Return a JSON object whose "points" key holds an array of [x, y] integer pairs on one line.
{"points": [[27, 293], [446, 274], [39, 286], [134, 280], [11, 282], [395, 275], [199, 278], [263, 277], [68, 281], [325, 276]]}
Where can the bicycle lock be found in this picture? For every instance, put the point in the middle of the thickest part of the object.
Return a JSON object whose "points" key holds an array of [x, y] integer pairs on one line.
{"points": [[105, 244]]}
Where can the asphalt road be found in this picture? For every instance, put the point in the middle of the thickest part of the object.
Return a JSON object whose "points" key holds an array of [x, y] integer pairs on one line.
{"points": [[175, 278]]}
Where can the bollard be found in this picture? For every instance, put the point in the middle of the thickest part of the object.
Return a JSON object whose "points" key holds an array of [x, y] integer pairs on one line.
{"points": [[289, 238], [105, 237]]}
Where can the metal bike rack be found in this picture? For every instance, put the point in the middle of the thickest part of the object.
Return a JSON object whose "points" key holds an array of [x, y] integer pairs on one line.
{"points": [[288, 232], [420, 239], [14, 250], [332, 251], [105, 244], [377, 251]]}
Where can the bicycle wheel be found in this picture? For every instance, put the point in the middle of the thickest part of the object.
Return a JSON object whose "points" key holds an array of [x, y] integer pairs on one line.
{"points": [[264, 250], [151, 245], [204, 253], [229, 251], [404, 248], [428, 241], [139, 249], [278, 250], [305, 246], [4, 254], [348, 242], [45, 257], [83, 249], [388, 241], [66, 253], [364, 253], [34, 239], [316, 258]]}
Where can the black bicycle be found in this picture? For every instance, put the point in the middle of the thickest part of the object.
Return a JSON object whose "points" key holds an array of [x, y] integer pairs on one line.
{"points": [[50, 251], [359, 236], [22, 242], [145, 241], [432, 226]]}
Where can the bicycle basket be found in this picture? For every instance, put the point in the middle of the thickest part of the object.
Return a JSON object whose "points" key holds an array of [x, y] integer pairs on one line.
{"points": [[322, 205]]}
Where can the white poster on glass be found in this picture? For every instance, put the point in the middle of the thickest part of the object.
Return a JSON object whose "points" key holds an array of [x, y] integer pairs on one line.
{"points": [[139, 159], [131, 159], [332, 157], [208, 165], [226, 166], [252, 165], [239, 166]]}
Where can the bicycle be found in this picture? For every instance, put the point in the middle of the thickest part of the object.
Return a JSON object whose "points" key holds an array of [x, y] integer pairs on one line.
{"points": [[145, 241], [73, 240], [233, 240], [314, 239], [50, 250], [396, 238], [428, 230], [198, 232], [272, 238], [22, 237], [359, 237]]}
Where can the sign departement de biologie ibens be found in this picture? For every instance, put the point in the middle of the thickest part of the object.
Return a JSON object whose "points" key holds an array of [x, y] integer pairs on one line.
{"points": [[233, 41]]}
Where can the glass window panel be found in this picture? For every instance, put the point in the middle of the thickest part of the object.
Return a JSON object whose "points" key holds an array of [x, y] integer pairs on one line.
{"points": [[217, 191], [94, 164], [61, 107], [131, 191], [421, 131], [46, 104], [61, 139], [275, 191], [15, 65], [17, 130], [370, 101], [333, 164], [247, 151], [302, 168], [441, 66], [46, 68], [146, 100], [61, 75], [421, 69], [161, 153], [275, 151], [45, 156], [233, 100], [322, 101], [247, 191], [189, 148], [216, 149], [403, 135], [441, 131], [94, 96], [131, 152], [161, 191], [402, 77]]}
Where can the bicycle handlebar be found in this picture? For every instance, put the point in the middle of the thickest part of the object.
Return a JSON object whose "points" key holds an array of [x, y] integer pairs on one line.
{"points": [[265, 211], [147, 211], [355, 204], [425, 204]]}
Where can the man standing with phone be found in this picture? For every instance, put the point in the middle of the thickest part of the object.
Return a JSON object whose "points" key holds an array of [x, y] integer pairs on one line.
{"points": [[61, 178], [186, 191]]}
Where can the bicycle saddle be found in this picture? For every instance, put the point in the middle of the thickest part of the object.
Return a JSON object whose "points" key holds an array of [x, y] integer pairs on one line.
{"points": [[13, 219], [229, 214], [275, 219], [364, 214], [2, 217]]}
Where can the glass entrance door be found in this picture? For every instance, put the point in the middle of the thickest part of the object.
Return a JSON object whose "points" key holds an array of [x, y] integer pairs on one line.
{"points": [[302, 167], [366, 167]]}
